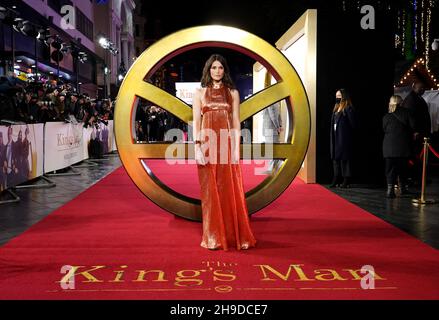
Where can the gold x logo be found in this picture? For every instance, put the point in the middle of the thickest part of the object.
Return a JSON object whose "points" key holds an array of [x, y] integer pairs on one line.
{"points": [[288, 87]]}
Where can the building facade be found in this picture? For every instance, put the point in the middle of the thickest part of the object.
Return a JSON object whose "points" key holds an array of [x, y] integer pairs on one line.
{"points": [[140, 29], [114, 21], [76, 26]]}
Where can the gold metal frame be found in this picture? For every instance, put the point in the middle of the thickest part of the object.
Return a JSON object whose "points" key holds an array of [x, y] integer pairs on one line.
{"points": [[288, 87]]}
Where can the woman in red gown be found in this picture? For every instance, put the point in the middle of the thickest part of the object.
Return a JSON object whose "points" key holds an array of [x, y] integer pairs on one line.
{"points": [[216, 129]]}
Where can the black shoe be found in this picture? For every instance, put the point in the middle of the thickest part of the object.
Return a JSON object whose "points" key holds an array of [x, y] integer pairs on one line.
{"points": [[390, 191], [345, 183], [333, 183]]}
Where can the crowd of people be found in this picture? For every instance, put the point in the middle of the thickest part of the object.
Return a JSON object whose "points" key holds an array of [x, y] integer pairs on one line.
{"points": [[38, 102], [153, 122], [28, 102], [405, 126]]}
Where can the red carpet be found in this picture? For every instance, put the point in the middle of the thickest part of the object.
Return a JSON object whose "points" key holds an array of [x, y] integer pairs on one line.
{"points": [[309, 243]]}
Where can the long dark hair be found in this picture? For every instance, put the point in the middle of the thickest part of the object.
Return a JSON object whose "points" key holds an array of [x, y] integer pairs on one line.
{"points": [[345, 101], [206, 79]]}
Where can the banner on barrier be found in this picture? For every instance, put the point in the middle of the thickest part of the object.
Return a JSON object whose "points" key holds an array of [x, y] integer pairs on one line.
{"points": [[105, 136], [98, 140], [86, 136], [111, 139], [63, 145], [21, 154]]}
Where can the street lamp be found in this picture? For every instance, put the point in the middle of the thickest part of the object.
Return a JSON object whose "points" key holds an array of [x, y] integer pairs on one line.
{"points": [[121, 72], [78, 57], [106, 72], [107, 45], [104, 42]]}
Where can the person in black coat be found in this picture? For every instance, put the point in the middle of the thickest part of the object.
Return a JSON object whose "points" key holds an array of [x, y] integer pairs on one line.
{"points": [[153, 119], [342, 138], [418, 109], [398, 126]]}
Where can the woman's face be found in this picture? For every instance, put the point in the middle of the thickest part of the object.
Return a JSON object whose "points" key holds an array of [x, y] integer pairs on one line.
{"points": [[338, 95], [216, 71]]}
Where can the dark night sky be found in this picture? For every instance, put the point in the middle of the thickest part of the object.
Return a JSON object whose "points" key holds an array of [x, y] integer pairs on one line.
{"points": [[264, 18], [267, 19]]}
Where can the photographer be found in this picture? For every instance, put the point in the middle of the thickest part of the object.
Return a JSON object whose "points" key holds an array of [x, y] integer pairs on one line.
{"points": [[46, 111], [71, 104], [60, 104], [33, 107], [81, 109]]}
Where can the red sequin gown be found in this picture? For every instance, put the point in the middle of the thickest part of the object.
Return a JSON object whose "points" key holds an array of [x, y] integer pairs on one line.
{"points": [[224, 210]]}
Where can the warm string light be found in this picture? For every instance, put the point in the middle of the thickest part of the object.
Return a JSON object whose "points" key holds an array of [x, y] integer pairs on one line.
{"points": [[422, 21], [397, 41], [403, 33], [415, 24], [397, 35], [419, 61], [427, 36], [399, 20]]}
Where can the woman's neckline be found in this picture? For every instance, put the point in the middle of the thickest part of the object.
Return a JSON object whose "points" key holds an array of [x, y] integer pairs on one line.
{"points": [[217, 86]]}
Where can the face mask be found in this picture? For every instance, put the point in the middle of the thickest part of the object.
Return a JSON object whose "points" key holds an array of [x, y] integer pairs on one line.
{"points": [[337, 100]]}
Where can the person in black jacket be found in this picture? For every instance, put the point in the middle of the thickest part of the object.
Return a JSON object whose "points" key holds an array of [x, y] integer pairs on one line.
{"points": [[418, 109], [342, 138], [398, 126]]}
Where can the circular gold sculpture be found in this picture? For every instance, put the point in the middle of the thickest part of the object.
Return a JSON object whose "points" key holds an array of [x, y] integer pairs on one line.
{"points": [[288, 87]]}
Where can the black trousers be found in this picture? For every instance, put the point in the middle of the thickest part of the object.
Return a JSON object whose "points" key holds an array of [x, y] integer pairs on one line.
{"points": [[396, 167], [342, 168]]}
